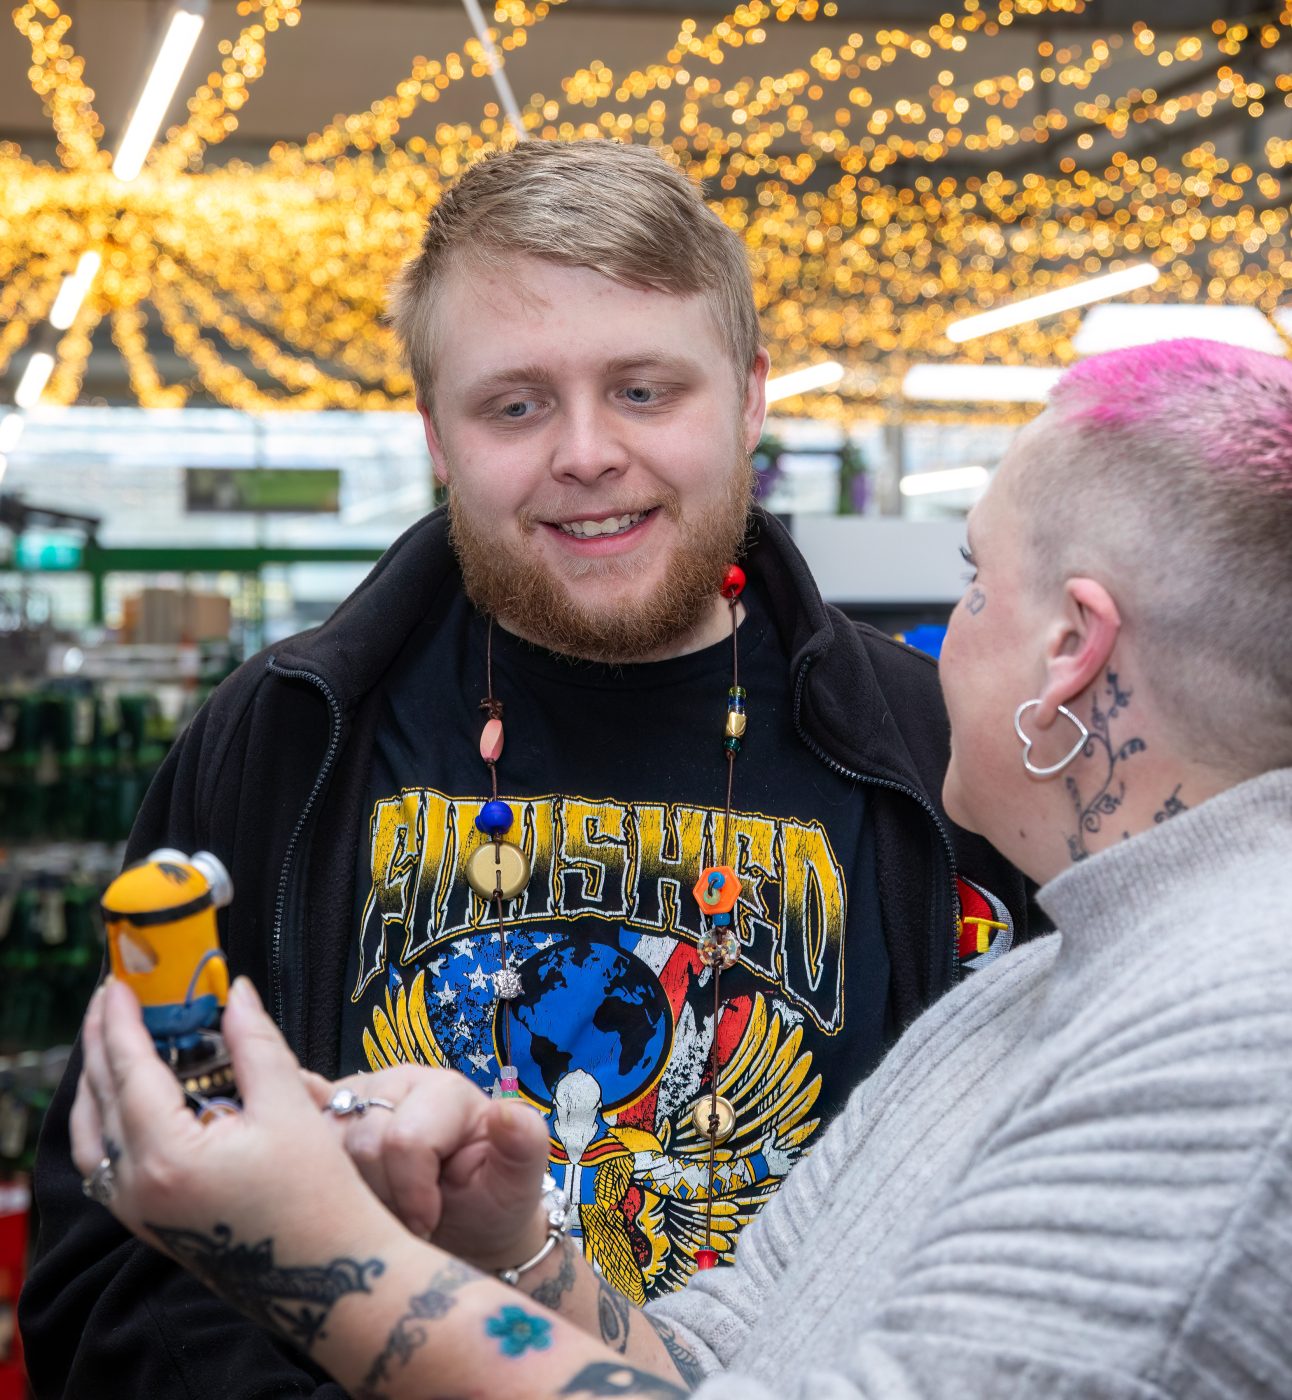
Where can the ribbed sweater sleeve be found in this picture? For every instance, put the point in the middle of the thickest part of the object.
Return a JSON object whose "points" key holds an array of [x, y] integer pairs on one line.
{"points": [[1111, 1218], [928, 1091]]}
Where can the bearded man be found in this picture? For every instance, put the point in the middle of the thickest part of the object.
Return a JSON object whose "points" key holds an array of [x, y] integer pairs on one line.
{"points": [[585, 347]]}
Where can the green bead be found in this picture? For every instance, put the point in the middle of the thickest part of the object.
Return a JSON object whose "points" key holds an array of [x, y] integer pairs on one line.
{"points": [[737, 692], [732, 744]]}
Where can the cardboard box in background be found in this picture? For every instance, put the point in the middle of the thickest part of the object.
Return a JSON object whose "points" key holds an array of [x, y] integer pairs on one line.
{"points": [[168, 616]]}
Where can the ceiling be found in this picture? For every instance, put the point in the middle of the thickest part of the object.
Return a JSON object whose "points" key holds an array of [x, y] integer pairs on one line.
{"points": [[346, 54]]}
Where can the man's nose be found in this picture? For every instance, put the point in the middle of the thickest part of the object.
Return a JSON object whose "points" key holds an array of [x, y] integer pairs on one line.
{"points": [[590, 443]]}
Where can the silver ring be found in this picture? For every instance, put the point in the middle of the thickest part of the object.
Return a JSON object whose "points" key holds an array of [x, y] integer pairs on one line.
{"points": [[346, 1101], [100, 1183]]}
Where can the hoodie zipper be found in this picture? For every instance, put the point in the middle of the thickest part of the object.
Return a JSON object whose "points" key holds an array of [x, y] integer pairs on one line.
{"points": [[333, 744], [910, 792]]}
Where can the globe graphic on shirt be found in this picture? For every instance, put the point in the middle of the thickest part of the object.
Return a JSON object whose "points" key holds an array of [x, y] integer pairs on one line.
{"points": [[588, 1005]]}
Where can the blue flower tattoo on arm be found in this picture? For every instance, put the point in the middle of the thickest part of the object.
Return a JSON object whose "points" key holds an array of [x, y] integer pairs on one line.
{"points": [[518, 1332]]}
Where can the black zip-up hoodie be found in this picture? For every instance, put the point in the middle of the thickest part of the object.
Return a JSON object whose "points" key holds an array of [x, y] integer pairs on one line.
{"points": [[271, 775]]}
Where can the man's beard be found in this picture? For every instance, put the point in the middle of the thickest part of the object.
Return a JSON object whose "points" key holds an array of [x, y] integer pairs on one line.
{"points": [[528, 598]]}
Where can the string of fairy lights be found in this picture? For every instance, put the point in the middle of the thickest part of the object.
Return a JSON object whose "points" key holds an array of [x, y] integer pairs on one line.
{"points": [[269, 280]]}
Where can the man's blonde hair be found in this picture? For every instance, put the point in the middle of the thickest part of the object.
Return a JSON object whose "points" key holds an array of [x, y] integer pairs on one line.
{"points": [[620, 210]]}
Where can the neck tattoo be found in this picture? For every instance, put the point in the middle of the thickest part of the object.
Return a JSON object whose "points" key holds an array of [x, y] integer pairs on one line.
{"points": [[498, 871]]}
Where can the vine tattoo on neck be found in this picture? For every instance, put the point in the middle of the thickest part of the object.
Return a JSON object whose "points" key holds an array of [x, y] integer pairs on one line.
{"points": [[294, 1302], [1172, 807], [1111, 791], [408, 1333]]}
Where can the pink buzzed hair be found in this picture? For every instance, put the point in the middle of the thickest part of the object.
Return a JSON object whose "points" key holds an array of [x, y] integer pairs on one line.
{"points": [[1165, 472], [1234, 404]]}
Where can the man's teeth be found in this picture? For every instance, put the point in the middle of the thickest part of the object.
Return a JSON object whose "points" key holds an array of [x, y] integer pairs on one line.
{"points": [[590, 529]]}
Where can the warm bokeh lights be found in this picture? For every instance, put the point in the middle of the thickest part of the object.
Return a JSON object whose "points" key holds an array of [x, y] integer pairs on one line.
{"points": [[864, 248]]}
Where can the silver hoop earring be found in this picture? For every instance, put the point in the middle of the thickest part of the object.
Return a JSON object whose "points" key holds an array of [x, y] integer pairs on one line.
{"points": [[1027, 743]]}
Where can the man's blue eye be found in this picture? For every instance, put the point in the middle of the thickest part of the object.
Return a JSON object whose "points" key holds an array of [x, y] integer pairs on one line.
{"points": [[639, 393], [515, 410]]}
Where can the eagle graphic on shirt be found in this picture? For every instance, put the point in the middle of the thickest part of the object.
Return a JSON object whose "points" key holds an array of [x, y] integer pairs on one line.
{"points": [[611, 1035]]}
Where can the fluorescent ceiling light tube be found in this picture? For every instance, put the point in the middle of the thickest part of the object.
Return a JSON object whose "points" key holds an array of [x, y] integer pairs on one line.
{"points": [[980, 383], [34, 378], [1051, 303], [799, 381], [76, 287], [953, 479], [168, 68], [1119, 326], [11, 430], [501, 83]]}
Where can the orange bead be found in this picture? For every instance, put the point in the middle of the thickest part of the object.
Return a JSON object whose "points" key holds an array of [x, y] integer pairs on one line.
{"points": [[717, 889]]}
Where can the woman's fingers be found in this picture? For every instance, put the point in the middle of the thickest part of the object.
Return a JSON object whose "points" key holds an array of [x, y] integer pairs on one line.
{"points": [[317, 1087], [85, 1128], [96, 1074], [146, 1096], [267, 1073], [400, 1154]]}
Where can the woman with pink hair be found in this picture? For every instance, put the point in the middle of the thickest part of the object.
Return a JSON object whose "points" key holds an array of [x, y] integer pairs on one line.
{"points": [[1071, 1177]]}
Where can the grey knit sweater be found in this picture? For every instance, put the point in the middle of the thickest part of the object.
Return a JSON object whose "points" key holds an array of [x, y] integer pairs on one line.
{"points": [[1073, 1176]]}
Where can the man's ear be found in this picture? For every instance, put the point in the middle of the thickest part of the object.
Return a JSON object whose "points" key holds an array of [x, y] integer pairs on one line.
{"points": [[1078, 646], [433, 445], [754, 411]]}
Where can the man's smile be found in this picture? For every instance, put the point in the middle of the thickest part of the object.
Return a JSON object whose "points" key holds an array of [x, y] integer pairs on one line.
{"points": [[594, 526]]}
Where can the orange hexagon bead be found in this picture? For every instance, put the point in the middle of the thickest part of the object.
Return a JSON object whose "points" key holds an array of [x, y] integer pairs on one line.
{"points": [[717, 890]]}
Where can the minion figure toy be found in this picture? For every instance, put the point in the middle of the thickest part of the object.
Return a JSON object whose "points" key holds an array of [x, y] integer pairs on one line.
{"points": [[163, 943]]}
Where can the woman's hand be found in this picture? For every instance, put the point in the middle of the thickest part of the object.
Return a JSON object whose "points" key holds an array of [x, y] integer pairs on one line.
{"points": [[455, 1166], [275, 1171]]}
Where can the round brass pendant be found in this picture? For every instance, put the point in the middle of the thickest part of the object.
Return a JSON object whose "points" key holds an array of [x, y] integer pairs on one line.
{"points": [[704, 1108], [498, 867]]}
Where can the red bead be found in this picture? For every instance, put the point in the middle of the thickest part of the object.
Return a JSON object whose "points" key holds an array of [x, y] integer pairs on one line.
{"points": [[733, 582], [706, 1258]]}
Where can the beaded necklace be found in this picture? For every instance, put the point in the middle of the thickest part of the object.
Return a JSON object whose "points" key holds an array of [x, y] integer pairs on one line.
{"points": [[499, 870]]}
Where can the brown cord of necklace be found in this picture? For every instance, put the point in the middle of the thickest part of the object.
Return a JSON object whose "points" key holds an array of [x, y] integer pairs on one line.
{"points": [[717, 891], [499, 870]]}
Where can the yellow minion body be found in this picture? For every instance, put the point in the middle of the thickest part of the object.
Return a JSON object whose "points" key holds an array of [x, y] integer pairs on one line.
{"points": [[164, 944]]}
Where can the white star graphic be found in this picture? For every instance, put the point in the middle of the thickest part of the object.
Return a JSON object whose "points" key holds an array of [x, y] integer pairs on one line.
{"points": [[479, 979], [435, 968], [461, 1028], [464, 948], [479, 1060], [447, 995]]}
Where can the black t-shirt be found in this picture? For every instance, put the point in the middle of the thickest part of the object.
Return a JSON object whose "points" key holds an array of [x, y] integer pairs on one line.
{"points": [[617, 779]]}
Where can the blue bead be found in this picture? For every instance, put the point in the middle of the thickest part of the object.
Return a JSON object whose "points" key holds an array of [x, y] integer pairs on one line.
{"points": [[719, 920], [494, 819]]}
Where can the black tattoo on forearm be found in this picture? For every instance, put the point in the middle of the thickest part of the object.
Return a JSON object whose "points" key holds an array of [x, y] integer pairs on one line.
{"points": [[976, 601], [294, 1302], [1172, 807], [679, 1353], [552, 1290], [612, 1316], [610, 1378], [408, 1334], [1110, 794]]}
